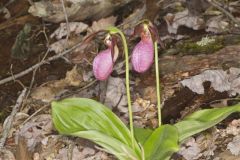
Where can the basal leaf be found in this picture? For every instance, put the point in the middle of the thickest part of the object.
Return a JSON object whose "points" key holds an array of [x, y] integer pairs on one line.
{"points": [[162, 143], [202, 120], [77, 116], [111, 145], [142, 134]]}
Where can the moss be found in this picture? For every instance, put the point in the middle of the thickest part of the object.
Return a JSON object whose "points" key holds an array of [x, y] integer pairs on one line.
{"points": [[191, 47]]}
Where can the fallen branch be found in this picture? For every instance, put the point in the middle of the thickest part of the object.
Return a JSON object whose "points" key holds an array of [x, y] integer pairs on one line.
{"points": [[8, 79], [17, 21], [216, 5], [11, 118]]}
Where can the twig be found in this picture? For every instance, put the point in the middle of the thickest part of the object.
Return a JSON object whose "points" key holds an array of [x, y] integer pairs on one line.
{"points": [[33, 76], [19, 82], [11, 118], [79, 90], [216, 5], [35, 113], [44, 57], [8, 79], [66, 18]]}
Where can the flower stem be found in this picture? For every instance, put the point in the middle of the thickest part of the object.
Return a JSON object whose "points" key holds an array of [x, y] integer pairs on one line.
{"points": [[158, 84], [114, 30], [128, 86]]}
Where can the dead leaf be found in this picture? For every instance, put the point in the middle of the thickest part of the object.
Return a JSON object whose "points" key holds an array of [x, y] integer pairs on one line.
{"points": [[220, 80], [133, 19], [190, 150], [116, 94], [234, 146], [60, 45], [183, 19], [22, 151], [6, 12], [226, 155], [102, 24], [150, 93], [77, 10], [145, 113], [50, 145], [6, 155], [51, 10], [34, 130], [77, 153], [217, 25], [234, 127], [76, 27], [50, 90], [19, 118], [73, 77]]}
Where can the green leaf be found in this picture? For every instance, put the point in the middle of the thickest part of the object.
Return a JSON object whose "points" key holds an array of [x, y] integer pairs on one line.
{"points": [[202, 120], [142, 134], [112, 145], [89, 119], [162, 143]]}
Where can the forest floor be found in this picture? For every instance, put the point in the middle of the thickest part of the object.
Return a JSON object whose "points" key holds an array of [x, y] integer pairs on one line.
{"points": [[40, 52]]}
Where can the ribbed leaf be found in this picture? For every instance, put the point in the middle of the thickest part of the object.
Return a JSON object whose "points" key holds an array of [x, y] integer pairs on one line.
{"points": [[83, 117], [112, 145], [202, 120], [162, 143], [142, 134]]}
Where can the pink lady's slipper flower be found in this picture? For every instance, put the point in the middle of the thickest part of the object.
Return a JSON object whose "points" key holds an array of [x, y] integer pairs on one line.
{"points": [[143, 54], [103, 62], [103, 65]]}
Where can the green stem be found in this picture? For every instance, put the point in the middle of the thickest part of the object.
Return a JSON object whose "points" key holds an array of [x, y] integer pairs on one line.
{"points": [[158, 84], [128, 86], [114, 30]]}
